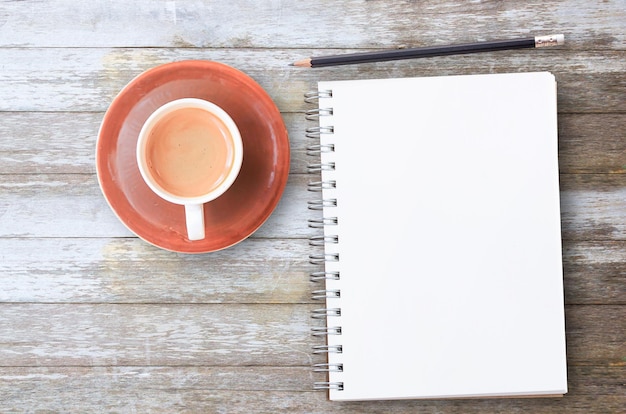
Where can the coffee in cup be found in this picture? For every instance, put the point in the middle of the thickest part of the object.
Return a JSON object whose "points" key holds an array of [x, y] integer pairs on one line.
{"points": [[189, 152]]}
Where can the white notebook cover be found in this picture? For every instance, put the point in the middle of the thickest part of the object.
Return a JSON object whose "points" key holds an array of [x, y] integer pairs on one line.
{"points": [[449, 247]]}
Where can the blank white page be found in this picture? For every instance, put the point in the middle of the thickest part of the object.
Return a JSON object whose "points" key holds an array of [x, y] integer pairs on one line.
{"points": [[449, 237]]}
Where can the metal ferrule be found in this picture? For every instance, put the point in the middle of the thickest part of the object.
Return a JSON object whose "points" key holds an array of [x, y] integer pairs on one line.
{"points": [[549, 40]]}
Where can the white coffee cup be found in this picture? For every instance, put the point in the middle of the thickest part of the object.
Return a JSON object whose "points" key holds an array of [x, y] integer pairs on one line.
{"points": [[189, 152]]}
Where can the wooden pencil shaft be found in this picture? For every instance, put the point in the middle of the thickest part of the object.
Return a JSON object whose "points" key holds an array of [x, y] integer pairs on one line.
{"points": [[420, 52]]}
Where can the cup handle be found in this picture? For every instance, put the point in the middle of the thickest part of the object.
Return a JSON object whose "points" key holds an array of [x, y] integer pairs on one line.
{"points": [[194, 218]]}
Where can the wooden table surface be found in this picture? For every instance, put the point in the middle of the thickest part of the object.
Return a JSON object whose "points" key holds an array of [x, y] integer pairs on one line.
{"points": [[93, 319]]}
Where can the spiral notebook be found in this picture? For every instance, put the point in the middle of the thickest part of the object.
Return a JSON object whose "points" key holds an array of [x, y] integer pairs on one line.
{"points": [[441, 268]]}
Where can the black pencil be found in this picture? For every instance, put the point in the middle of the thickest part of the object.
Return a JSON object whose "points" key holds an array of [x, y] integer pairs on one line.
{"points": [[420, 52]]}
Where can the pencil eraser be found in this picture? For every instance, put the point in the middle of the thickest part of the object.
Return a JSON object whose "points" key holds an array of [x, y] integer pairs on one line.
{"points": [[560, 39]]}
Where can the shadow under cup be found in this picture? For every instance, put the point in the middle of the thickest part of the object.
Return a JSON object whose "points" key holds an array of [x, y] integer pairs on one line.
{"points": [[189, 152]]}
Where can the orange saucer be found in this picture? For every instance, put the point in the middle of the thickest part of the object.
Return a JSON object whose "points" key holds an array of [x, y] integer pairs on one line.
{"points": [[237, 213]]}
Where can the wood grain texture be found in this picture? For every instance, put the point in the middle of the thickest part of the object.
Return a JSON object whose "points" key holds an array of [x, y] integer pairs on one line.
{"points": [[92, 319], [86, 79], [606, 219], [71, 334], [593, 207], [72, 205], [153, 334], [39, 142], [189, 389], [276, 24], [594, 272], [128, 270]]}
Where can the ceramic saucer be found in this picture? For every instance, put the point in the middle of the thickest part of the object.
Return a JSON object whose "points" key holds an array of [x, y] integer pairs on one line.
{"points": [[237, 213]]}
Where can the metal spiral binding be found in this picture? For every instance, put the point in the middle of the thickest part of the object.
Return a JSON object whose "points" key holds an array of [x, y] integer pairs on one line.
{"points": [[325, 331], [320, 223], [327, 349], [318, 186], [322, 240], [313, 96], [314, 114], [322, 276], [318, 149], [328, 386], [324, 313], [323, 258], [320, 204], [325, 294], [328, 367], [319, 167], [316, 132]]}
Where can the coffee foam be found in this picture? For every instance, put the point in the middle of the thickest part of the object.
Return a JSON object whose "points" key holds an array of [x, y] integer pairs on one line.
{"points": [[190, 152]]}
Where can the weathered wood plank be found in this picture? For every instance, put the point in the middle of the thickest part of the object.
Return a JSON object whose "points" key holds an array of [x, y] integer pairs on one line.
{"points": [[593, 206], [276, 24], [594, 272], [71, 205], [85, 79], [36, 142], [192, 401], [94, 319], [48, 142], [103, 334], [74, 334], [583, 379], [586, 346], [592, 143], [128, 270], [281, 389], [39, 142]]}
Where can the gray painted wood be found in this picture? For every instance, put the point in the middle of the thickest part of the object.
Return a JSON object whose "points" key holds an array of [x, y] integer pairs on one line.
{"points": [[322, 24], [94, 319]]}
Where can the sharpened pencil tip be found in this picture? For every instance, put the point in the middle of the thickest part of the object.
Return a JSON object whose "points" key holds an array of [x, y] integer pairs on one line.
{"points": [[304, 63], [291, 64]]}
